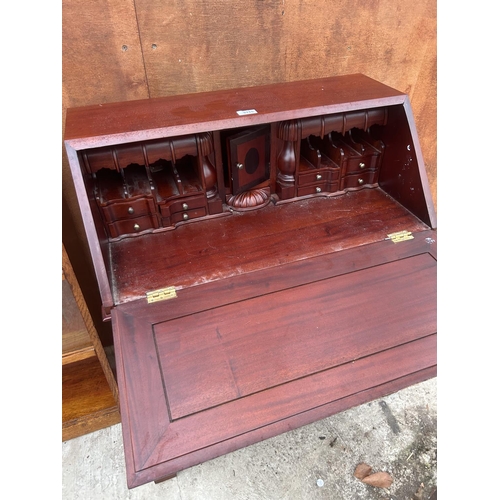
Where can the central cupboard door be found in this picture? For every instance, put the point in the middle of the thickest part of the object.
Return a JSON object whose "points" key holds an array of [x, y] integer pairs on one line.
{"points": [[248, 154]]}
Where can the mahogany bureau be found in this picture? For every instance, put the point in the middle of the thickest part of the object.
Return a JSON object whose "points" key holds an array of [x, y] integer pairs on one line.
{"points": [[267, 257]]}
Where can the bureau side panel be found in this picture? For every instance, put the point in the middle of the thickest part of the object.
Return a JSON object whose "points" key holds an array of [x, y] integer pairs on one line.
{"points": [[99, 246], [403, 174]]}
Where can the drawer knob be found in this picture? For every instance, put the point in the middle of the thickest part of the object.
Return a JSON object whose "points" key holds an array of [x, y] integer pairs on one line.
{"points": [[185, 206], [318, 177], [137, 227], [361, 181], [239, 166], [185, 216], [361, 165], [130, 210], [318, 190]]}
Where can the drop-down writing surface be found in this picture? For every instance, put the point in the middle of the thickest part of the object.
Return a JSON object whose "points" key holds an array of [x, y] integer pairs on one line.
{"points": [[233, 351], [225, 371]]}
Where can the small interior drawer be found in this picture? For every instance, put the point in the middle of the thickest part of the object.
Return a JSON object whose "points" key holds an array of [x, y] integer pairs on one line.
{"points": [[317, 188], [360, 180], [127, 209], [131, 226], [183, 204], [188, 214], [361, 163], [317, 175]]}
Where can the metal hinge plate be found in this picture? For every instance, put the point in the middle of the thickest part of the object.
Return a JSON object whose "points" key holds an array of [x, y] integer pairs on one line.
{"points": [[400, 236], [161, 294]]}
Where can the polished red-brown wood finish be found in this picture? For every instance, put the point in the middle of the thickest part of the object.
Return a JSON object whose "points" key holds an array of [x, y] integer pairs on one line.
{"points": [[269, 211], [238, 358]]}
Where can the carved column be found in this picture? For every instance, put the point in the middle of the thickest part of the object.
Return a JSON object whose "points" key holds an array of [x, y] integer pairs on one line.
{"points": [[205, 149], [289, 132]]}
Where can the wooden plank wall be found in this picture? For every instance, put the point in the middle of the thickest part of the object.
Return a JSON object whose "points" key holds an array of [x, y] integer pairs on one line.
{"points": [[116, 50]]}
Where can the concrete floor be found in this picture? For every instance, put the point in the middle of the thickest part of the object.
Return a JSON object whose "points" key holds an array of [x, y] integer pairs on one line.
{"points": [[396, 434]]}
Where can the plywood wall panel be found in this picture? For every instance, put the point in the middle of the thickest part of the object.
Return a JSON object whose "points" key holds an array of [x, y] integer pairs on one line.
{"points": [[102, 53], [193, 46]]}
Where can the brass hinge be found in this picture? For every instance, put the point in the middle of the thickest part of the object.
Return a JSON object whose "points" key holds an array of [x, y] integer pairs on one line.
{"points": [[400, 236], [161, 294]]}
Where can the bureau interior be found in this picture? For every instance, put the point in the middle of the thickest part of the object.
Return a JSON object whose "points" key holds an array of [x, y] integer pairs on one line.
{"points": [[183, 210]]}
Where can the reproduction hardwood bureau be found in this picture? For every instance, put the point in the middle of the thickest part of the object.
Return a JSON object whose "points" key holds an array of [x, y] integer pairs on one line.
{"points": [[267, 257]]}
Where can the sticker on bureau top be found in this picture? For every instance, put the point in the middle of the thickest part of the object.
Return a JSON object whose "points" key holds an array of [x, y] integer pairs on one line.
{"points": [[243, 112]]}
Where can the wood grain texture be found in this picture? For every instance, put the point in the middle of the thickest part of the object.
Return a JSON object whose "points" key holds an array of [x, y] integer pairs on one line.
{"points": [[206, 45], [250, 399], [102, 54], [89, 389], [115, 123], [216, 356], [95, 69], [254, 241], [259, 42], [285, 425], [88, 404], [75, 337], [210, 45], [85, 389], [239, 288], [85, 425], [191, 46], [88, 323]]}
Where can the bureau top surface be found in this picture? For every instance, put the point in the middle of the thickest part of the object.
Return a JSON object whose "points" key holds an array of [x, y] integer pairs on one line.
{"points": [[116, 123]]}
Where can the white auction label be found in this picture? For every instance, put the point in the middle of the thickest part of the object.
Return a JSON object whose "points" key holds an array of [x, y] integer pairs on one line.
{"points": [[247, 112]]}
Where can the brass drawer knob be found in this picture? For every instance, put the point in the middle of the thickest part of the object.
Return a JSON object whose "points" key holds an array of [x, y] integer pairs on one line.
{"points": [[137, 227], [361, 165], [185, 206], [361, 181], [318, 177], [130, 210], [318, 190], [185, 216]]}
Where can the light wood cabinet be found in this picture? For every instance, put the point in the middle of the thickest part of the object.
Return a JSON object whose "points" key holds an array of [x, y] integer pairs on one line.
{"points": [[89, 392]]}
